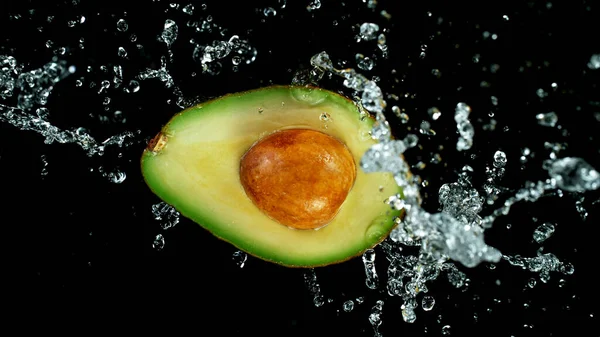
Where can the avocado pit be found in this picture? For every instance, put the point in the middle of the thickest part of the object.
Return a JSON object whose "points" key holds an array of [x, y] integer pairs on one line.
{"points": [[298, 177]]}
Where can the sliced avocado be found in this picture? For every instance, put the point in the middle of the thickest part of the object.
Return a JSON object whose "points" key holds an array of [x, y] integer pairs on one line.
{"points": [[226, 163]]}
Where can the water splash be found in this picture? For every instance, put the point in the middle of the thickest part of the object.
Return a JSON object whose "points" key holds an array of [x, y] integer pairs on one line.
{"points": [[33, 88], [28, 122], [375, 317], [543, 264], [573, 174], [310, 279], [162, 74], [166, 214], [209, 55], [457, 232]]}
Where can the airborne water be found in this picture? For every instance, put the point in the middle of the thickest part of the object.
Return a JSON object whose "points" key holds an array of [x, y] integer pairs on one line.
{"points": [[495, 110]]}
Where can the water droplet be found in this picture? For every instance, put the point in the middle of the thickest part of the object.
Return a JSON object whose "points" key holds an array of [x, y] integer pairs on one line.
{"points": [[548, 119], [411, 140], [434, 112], [189, 9], [372, 279], [117, 177], [464, 126], [446, 330], [543, 232], [169, 33], [594, 62], [425, 129], [44, 171], [122, 25], [239, 258], [427, 302], [159, 242], [368, 31], [313, 5], [310, 279], [567, 268], [381, 40], [364, 63], [499, 159], [269, 12], [348, 306], [494, 100], [122, 52], [375, 316], [134, 86], [408, 311]]}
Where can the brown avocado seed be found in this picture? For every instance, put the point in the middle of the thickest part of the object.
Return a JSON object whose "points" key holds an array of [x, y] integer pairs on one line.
{"points": [[298, 177]]}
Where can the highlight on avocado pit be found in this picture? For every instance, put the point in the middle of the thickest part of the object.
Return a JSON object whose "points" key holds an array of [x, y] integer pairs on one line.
{"points": [[274, 172]]}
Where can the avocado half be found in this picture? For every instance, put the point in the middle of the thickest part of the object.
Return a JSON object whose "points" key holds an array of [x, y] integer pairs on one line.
{"points": [[194, 164]]}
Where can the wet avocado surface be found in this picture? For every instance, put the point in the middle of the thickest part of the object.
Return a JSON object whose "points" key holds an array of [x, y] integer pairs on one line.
{"points": [[194, 165]]}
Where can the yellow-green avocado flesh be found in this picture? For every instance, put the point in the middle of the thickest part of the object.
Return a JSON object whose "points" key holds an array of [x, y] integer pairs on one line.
{"points": [[193, 164]]}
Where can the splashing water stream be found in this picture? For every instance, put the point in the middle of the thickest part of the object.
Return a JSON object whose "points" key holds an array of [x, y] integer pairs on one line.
{"points": [[456, 233]]}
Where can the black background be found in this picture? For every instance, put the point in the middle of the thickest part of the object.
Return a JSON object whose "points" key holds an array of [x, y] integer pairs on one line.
{"points": [[80, 247]]}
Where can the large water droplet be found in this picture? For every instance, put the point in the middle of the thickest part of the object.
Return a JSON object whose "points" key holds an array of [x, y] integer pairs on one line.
{"points": [[368, 31], [427, 302], [159, 242], [239, 258], [543, 232], [122, 25], [499, 159], [348, 306], [547, 119], [169, 33]]}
